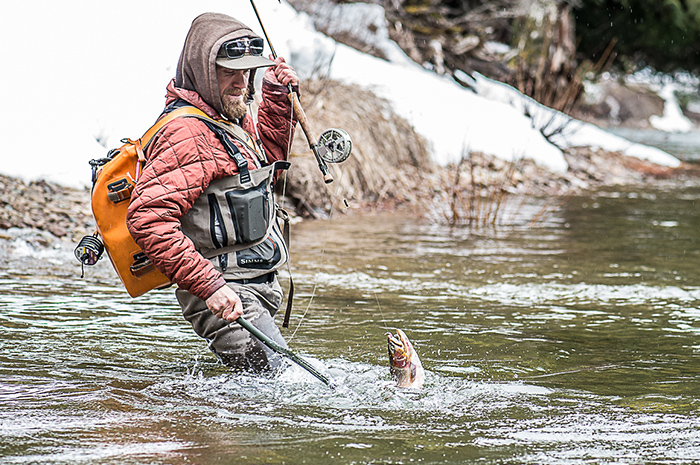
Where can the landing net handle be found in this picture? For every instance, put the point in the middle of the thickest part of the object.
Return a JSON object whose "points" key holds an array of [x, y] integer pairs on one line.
{"points": [[284, 351]]}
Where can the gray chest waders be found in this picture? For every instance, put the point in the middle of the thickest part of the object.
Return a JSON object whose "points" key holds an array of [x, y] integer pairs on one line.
{"points": [[250, 223]]}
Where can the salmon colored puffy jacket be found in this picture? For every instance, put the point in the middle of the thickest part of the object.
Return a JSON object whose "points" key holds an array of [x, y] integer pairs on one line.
{"points": [[181, 162]]}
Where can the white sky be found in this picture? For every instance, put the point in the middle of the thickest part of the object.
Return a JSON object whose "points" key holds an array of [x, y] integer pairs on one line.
{"points": [[80, 70]]}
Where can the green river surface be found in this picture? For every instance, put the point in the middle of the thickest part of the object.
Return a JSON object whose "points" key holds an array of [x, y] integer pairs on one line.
{"points": [[574, 340]]}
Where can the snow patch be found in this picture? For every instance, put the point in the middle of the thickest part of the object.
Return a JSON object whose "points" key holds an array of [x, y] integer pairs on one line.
{"points": [[102, 81], [673, 119]]}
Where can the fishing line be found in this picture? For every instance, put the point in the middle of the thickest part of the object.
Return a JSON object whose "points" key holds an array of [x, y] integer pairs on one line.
{"points": [[323, 253], [289, 149], [334, 146], [383, 324], [328, 223], [376, 298], [381, 312], [333, 196]]}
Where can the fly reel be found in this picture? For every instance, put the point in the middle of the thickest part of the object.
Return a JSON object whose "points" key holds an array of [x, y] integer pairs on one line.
{"points": [[337, 145], [88, 252]]}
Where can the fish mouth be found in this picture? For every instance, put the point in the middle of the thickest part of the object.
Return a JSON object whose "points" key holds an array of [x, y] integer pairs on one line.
{"points": [[398, 349], [404, 363]]}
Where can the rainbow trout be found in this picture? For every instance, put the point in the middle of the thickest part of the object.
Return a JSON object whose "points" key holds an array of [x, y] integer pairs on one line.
{"points": [[404, 363]]}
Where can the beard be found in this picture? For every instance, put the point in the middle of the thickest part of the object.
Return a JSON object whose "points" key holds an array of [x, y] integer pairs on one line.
{"points": [[234, 109]]}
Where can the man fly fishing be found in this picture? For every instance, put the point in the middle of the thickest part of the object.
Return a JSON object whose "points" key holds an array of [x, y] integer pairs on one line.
{"points": [[202, 209]]}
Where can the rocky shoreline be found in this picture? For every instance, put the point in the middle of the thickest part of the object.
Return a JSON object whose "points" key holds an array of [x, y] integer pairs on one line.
{"points": [[62, 211]]}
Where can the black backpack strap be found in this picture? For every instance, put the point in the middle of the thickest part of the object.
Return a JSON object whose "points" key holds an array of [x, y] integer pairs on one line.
{"points": [[233, 130], [174, 105], [232, 150]]}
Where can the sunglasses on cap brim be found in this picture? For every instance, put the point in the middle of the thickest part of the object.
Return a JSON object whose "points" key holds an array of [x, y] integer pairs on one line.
{"points": [[239, 47]]}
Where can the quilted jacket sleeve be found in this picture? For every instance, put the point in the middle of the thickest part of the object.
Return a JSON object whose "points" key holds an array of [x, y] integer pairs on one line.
{"points": [[275, 121], [183, 159]]}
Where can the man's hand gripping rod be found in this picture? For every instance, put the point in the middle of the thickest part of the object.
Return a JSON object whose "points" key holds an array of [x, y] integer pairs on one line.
{"points": [[337, 144]]}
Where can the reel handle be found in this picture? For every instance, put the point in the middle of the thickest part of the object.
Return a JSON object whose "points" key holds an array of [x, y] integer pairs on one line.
{"points": [[304, 122]]}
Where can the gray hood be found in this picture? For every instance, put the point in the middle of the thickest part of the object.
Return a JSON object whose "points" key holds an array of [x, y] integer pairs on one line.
{"points": [[196, 69]]}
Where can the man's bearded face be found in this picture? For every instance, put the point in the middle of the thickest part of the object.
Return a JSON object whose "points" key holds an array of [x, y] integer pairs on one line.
{"points": [[233, 87], [234, 103]]}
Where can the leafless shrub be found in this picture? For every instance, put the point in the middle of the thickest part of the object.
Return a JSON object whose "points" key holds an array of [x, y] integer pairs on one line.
{"points": [[487, 192], [481, 200]]}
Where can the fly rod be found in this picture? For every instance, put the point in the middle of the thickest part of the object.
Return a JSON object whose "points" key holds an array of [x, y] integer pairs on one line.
{"points": [[334, 145], [283, 351]]}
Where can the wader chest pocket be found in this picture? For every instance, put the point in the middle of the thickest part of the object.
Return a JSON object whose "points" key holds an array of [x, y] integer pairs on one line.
{"points": [[250, 213]]}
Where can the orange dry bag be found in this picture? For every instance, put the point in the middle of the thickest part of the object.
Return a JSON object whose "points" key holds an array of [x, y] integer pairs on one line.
{"points": [[114, 179]]}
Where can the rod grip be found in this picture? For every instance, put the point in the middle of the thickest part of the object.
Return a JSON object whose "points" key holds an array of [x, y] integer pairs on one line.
{"points": [[310, 137], [301, 116]]}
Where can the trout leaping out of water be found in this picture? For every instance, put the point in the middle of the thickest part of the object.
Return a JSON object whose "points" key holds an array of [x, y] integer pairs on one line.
{"points": [[405, 365]]}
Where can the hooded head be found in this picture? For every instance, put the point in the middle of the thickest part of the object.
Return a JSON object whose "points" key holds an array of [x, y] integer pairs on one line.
{"points": [[196, 69]]}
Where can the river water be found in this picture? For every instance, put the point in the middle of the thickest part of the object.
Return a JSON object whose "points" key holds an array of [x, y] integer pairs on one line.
{"points": [[682, 145], [572, 340]]}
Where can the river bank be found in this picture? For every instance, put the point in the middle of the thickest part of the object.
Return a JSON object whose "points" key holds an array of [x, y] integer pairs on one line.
{"points": [[419, 188], [391, 168], [391, 165]]}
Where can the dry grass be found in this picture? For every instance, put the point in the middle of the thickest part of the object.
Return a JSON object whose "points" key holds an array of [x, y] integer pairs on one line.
{"points": [[389, 165], [473, 202], [391, 168], [487, 192]]}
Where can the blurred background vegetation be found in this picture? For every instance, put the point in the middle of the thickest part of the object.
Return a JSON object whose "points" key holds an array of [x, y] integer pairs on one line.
{"points": [[547, 49], [662, 34]]}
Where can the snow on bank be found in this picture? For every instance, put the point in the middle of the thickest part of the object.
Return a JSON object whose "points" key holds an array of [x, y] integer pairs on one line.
{"points": [[563, 130], [673, 119], [81, 75], [666, 86], [451, 118]]}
